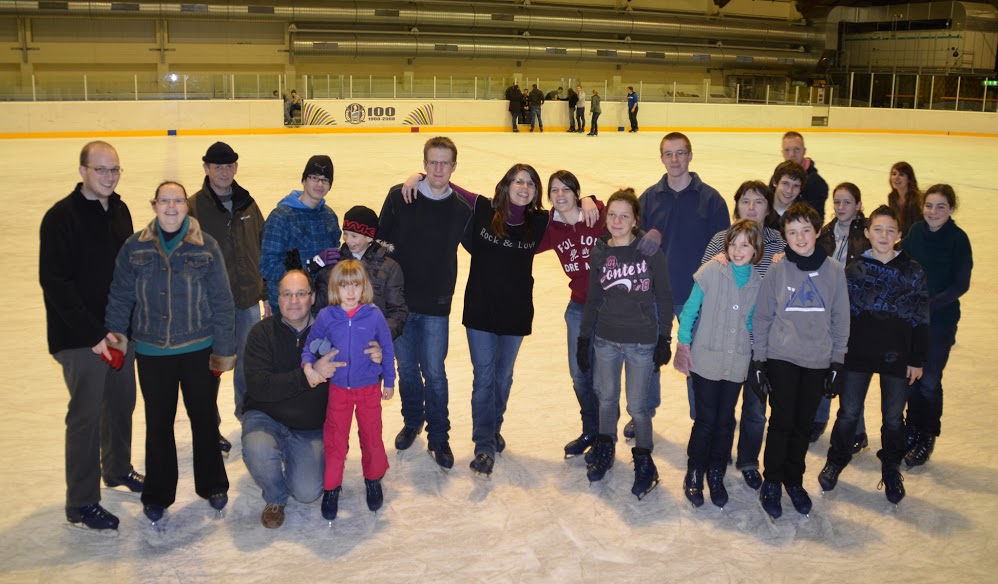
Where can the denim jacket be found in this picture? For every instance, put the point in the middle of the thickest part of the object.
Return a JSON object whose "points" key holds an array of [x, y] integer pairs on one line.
{"points": [[174, 301]]}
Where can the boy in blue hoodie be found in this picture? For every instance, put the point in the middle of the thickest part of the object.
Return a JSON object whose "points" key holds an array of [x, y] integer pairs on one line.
{"points": [[301, 226]]}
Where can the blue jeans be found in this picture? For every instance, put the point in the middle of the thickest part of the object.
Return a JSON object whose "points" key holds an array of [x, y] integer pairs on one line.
{"points": [[581, 381], [535, 116], [714, 428], [492, 359], [594, 126], [893, 394], [571, 119], [637, 361], [245, 319], [825, 410], [580, 118], [925, 396], [283, 461], [751, 427], [420, 352]]}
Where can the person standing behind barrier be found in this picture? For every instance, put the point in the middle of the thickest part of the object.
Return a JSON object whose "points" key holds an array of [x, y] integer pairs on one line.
{"points": [[573, 100], [184, 336], [515, 99], [905, 198], [596, 110], [580, 110], [79, 239], [632, 108], [227, 212], [814, 189], [536, 99]]}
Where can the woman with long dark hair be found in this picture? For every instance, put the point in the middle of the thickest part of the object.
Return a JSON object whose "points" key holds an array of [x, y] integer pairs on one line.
{"points": [[905, 199]]}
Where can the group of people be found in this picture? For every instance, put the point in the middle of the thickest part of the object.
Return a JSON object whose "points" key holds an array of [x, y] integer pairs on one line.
{"points": [[772, 307], [525, 106]]}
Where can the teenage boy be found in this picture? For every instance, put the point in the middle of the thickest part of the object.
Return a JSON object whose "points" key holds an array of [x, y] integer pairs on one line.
{"points": [[888, 335], [800, 330], [788, 180]]}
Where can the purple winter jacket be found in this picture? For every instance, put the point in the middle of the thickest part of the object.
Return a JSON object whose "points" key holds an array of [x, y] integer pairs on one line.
{"points": [[351, 337]]}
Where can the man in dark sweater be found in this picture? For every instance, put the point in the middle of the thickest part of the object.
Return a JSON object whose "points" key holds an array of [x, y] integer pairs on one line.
{"points": [[283, 413], [228, 213], [424, 235], [815, 190], [80, 239]]}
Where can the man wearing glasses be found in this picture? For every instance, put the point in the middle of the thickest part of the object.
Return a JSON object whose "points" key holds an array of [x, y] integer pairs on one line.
{"points": [[680, 213], [80, 239], [425, 234], [300, 227], [228, 213]]}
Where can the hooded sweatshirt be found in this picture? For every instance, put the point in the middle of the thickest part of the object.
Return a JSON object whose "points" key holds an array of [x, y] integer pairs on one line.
{"points": [[295, 227]]}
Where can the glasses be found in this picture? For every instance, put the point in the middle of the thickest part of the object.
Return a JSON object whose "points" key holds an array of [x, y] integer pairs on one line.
{"points": [[439, 164], [300, 294], [171, 202], [319, 180], [675, 154], [103, 171]]}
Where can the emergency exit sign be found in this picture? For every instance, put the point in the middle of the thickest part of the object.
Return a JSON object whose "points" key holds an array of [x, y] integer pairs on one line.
{"points": [[990, 83]]}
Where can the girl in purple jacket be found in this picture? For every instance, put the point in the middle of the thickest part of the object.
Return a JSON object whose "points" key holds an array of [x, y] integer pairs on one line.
{"points": [[348, 325]]}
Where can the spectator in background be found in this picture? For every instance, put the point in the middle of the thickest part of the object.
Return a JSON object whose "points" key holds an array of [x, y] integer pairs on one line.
{"points": [[554, 95], [573, 101], [536, 100], [632, 108], [580, 110], [815, 189], [515, 98]]}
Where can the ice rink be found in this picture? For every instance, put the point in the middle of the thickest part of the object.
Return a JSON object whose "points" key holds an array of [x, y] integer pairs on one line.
{"points": [[538, 519]]}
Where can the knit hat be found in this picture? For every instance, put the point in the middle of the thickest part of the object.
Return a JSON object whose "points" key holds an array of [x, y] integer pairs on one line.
{"points": [[319, 164], [361, 220], [220, 153]]}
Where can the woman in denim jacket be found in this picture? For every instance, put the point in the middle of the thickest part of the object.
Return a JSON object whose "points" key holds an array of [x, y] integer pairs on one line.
{"points": [[171, 291]]}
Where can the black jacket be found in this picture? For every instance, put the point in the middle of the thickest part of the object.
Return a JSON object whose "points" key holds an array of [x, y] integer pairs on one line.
{"points": [[889, 307], [815, 190], [275, 380], [515, 97], [386, 280], [239, 234], [858, 243], [78, 247]]}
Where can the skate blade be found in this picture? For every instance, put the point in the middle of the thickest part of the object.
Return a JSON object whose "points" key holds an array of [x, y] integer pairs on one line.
{"points": [[80, 527], [442, 469], [219, 514], [648, 490], [159, 526], [484, 477], [120, 489]]}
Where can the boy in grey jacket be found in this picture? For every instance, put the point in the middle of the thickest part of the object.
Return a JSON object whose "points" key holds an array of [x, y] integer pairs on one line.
{"points": [[800, 332]]}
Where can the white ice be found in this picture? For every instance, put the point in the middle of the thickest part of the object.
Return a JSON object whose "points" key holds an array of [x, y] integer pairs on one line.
{"points": [[538, 520]]}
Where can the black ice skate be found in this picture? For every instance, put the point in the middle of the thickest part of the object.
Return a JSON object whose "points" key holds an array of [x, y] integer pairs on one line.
{"points": [[645, 473], [603, 454], [829, 476], [799, 497], [442, 455], [693, 487], [892, 482], [715, 482], [482, 466], [579, 446]]}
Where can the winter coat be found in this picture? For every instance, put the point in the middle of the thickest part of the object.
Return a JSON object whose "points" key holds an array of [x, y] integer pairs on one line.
{"points": [[351, 337]]}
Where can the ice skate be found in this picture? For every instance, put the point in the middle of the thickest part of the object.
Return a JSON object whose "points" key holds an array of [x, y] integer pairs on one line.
{"points": [[693, 487], [645, 473], [482, 466], [752, 478], [715, 483], [769, 497], [442, 455], [603, 454], [224, 445], [860, 444], [131, 482], [156, 514], [799, 497], [629, 431], [405, 437], [921, 451], [579, 446], [375, 496], [500, 443], [331, 504], [93, 519], [218, 501], [892, 482], [829, 476]]}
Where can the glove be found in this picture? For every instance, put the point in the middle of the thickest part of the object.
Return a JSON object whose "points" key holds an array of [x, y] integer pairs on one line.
{"points": [[684, 360], [834, 380], [663, 352], [320, 347], [327, 257], [650, 243], [216, 372], [117, 358], [582, 354], [758, 382], [292, 260]]}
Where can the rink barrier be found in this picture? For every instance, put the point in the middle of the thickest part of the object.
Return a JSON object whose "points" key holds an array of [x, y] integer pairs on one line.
{"points": [[242, 117]]}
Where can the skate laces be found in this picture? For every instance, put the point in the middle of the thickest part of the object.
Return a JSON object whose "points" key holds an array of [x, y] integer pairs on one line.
{"points": [[896, 479]]}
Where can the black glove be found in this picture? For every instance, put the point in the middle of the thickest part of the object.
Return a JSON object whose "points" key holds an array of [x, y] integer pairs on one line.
{"points": [[834, 380], [757, 380], [663, 352], [292, 260], [582, 354]]}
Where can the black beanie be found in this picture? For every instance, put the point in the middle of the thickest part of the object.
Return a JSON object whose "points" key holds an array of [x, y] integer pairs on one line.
{"points": [[362, 220], [220, 153], [319, 164]]}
